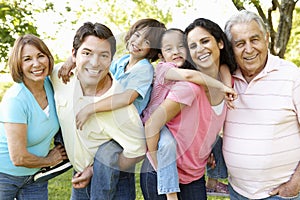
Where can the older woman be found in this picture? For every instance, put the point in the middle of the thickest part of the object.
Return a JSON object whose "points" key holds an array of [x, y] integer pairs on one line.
{"points": [[28, 122]]}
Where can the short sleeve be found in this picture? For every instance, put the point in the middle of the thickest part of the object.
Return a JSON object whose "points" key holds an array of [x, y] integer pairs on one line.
{"points": [[141, 79], [183, 92], [12, 110]]}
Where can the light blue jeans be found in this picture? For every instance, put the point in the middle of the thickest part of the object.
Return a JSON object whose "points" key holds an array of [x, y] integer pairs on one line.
{"points": [[22, 188], [236, 196], [167, 174]]}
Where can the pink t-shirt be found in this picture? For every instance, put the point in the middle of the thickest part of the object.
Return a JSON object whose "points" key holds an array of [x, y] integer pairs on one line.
{"points": [[195, 128], [161, 88]]}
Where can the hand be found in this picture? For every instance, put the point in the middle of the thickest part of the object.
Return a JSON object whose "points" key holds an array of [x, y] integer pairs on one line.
{"points": [[229, 103], [230, 96], [82, 179], [56, 155], [83, 115], [288, 189], [211, 161], [65, 70]]}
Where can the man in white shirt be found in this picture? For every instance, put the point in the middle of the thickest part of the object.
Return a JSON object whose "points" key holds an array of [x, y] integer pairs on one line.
{"points": [[93, 48], [262, 134]]}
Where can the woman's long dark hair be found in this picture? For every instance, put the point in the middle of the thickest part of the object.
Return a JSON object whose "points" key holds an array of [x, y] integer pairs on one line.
{"points": [[226, 54]]}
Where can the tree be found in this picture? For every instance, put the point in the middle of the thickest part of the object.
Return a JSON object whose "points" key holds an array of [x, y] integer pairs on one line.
{"points": [[15, 19], [293, 47], [18, 17], [281, 35]]}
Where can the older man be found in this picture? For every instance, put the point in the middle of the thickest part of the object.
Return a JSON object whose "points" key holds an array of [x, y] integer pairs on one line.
{"points": [[262, 135], [93, 48]]}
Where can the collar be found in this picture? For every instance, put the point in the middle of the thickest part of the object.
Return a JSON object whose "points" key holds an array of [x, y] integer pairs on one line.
{"points": [[271, 65]]}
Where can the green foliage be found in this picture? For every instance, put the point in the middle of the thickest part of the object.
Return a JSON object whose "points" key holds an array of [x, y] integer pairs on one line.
{"points": [[4, 87], [13, 23], [293, 47], [16, 18]]}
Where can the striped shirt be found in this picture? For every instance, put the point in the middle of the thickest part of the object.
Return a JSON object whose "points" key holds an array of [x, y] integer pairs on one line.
{"points": [[262, 135]]}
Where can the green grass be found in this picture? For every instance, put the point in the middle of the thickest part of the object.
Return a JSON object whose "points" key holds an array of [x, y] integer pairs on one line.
{"points": [[60, 187]]}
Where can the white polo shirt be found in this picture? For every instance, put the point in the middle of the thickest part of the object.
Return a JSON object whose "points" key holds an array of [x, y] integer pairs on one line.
{"points": [[261, 143], [123, 125]]}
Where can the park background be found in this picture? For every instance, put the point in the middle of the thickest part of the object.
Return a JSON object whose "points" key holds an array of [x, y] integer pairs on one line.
{"points": [[55, 21]]}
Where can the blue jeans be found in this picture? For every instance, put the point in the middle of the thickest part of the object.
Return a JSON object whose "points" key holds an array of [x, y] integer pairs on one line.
{"points": [[220, 171], [58, 138], [108, 183], [148, 180], [236, 196], [22, 188], [167, 174]]}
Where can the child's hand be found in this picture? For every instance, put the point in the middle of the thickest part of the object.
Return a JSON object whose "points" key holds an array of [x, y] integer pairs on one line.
{"points": [[82, 116], [230, 96]]}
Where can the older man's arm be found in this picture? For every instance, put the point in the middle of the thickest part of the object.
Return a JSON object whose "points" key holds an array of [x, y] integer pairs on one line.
{"points": [[290, 188]]}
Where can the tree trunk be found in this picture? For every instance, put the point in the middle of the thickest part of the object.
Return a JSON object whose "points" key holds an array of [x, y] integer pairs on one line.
{"points": [[284, 26]]}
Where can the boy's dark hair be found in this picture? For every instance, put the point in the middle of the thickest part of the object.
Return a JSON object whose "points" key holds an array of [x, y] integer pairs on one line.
{"points": [[98, 30], [154, 31], [226, 54]]}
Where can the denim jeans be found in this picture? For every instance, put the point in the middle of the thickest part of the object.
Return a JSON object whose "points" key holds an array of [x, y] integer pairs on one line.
{"points": [[108, 182], [167, 174], [22, 188], [58, 138], [82, 193], [148, 180], [220, 171], [236, 196]]}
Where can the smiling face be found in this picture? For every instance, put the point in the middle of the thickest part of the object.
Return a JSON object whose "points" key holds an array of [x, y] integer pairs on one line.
{"points": [[250, 48], [93, 60], [35, 64], [204, 49], [138, 44], [173, 48]]}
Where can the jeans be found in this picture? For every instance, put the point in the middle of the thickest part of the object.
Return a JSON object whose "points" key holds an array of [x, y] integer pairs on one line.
{"points": [[148, 180], [220, 171], [58, 138], [236, 196], [108, 183], [167, 174], [22, 188]]}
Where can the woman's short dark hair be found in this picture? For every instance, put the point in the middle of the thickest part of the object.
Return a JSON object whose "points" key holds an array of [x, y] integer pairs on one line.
{"points": [[15, 59]]}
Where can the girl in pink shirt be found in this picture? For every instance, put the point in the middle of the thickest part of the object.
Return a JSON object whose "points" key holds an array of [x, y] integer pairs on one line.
{"points": [[177, 105]]}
